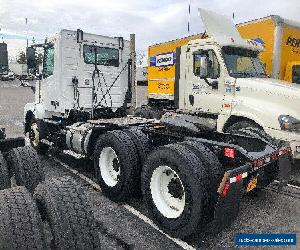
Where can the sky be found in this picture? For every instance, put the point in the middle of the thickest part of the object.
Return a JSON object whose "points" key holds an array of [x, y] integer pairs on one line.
{"points": [[152, 21]]}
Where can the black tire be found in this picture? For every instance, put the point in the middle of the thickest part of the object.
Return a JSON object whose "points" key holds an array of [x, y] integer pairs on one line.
{"points": [[20, 222], [126, 151], [25, 164], [212, 166], [249, 129], [41, 148], [236, 127], [4, 174], [67, 209], [148, 113], [141, 142], [195, 180]]}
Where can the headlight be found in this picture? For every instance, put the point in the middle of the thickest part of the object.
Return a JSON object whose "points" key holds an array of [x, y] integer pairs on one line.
{"points": [[289, 123]]}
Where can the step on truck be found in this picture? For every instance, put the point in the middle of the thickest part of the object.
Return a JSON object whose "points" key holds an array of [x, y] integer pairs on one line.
{"points": [[219, 76], [190, 175]]}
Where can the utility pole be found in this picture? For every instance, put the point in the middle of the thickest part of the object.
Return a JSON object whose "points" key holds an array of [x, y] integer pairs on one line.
{"points": [[189, 19], [26, 32]]}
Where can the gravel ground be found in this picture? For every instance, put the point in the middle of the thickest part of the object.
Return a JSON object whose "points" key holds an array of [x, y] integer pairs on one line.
{"points": [[268, 212]]}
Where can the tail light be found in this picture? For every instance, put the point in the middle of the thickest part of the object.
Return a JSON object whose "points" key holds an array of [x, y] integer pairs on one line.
{"points": [[258, 163], [229, 152]]}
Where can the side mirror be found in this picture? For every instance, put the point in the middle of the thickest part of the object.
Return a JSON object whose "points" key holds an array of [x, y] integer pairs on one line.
{"points": [[40, 76], [203, 67]]}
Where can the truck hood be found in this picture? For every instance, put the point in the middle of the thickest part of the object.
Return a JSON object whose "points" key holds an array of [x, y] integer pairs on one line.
{"points": [[270, 86], [267, 97]]}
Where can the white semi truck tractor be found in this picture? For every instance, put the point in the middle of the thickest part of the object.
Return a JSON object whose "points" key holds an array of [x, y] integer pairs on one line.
{"points": [[190, 175]]}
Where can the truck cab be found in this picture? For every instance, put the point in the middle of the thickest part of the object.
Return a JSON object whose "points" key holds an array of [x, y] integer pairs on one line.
{"points": [[81, 72], [222, 78]]}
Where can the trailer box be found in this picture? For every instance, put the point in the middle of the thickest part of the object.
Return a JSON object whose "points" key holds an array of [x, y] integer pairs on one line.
{"points": [[281, 38], [161, 68]]}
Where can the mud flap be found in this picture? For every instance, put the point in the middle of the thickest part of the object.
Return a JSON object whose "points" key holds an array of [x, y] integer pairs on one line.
{"points": [[285, 168], [8, 144], [227, 208]]}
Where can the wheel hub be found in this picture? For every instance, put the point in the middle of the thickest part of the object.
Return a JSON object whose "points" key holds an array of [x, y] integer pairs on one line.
{"points": [[175, 188], [167, 192], [109, 166]]}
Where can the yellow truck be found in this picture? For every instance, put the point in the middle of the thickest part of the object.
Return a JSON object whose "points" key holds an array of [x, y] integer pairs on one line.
{"points": [[281, 39], [281, 57]]}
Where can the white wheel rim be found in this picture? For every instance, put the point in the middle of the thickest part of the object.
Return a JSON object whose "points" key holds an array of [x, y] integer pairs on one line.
{"points": [[109, 166], [170, 202], [36, 139]]}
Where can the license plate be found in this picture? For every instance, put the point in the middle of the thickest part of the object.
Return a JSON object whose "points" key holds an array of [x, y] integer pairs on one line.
{"points": [[252, 184]]}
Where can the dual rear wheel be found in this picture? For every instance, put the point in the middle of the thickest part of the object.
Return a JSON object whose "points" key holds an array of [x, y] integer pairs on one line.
{"points": [[178, 181]]}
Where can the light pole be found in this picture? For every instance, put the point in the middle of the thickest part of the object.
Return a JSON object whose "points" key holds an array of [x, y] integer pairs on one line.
{"points": [[26, 32]]}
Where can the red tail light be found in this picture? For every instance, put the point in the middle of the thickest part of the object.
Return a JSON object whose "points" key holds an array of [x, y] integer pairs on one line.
{"points": [[229, 152], [258, 163]]}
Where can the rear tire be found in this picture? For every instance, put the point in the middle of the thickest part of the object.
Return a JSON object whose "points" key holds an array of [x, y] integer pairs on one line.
{"points": [[67, 209], [148, 113], [141, 142], [116, 165], [174, 185], [213, 166], [20, 222], [4, 174], [25, 164]]}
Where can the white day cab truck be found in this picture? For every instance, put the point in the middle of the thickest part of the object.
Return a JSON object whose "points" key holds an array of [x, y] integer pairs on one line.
{"points": [[191, 175], [221, 77]]}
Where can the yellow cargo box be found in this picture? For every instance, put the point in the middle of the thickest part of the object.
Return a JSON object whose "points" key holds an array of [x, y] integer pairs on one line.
{"points": [[281, 38], [161, 69]]}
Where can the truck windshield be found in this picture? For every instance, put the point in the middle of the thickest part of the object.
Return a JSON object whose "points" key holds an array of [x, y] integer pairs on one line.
{"points": [[105, 56], [243, 63], [296, 74]]}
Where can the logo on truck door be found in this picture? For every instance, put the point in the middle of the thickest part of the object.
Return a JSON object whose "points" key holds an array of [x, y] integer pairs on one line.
{"points": [[294, 42], [166, 59]]}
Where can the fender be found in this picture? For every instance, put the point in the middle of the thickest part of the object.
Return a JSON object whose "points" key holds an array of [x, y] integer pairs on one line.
{"points": [[223, 119], [37, 109]]}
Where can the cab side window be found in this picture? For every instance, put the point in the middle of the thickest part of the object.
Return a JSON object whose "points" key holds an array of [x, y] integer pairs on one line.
{"points": [[296, 74], [213, 67], [48, 65]]}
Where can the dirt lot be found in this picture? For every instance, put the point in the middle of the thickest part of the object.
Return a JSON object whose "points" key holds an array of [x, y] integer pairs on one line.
{"points": [[120, 228]]}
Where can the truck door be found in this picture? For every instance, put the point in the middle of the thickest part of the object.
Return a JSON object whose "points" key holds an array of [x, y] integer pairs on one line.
{"points": [[205, 87], [48, 85]]}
